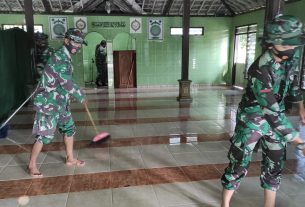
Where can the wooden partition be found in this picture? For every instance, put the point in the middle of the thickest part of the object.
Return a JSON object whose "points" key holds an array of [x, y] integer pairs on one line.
{"points": [[124, 69]]}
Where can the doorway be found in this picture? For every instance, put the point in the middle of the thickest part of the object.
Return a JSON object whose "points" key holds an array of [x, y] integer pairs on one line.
{"points": [[244, 53], [93, 38], [124, 61]]}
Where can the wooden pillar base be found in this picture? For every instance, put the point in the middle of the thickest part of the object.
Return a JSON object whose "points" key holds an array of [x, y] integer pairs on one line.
{"points": [[184, 90]]}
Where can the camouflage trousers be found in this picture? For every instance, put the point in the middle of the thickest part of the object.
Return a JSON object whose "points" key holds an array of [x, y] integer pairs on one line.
{"points": [[251, 128], [45, 126]]}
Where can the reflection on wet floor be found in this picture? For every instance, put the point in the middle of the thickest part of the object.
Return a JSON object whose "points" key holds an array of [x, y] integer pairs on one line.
{"points": [[165, 152]]}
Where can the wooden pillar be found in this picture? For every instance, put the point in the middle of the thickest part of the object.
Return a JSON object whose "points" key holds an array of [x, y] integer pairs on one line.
{"points": [[29, 19], [273, 8], [185, 83]]}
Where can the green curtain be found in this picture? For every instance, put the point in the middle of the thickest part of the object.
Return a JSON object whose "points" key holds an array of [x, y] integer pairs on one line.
{"points": [[16, 71]]}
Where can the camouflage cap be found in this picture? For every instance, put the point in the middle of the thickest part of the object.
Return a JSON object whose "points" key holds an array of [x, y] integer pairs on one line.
{"points": [[285, 30], [76, 35]]}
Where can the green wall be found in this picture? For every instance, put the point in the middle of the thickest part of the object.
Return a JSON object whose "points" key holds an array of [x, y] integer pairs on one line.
{"points": [[159, 62]]}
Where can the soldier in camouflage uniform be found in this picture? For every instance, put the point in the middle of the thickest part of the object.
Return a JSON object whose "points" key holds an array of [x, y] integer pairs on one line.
{"points": [[273, 77], [52, 101], [43, 51]]}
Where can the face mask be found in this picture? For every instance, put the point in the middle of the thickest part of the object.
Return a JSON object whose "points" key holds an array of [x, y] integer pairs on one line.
{"points": [[284, 55], [72, 49]]}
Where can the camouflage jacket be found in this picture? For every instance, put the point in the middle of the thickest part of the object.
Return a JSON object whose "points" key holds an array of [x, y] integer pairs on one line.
{"points": [[268, 85], [56, 85]]}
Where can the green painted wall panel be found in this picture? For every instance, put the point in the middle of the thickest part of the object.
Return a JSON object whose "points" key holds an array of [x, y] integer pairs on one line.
{"points": [[209, 54]]}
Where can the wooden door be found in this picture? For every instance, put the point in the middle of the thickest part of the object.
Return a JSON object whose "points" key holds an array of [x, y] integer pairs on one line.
{"points": [[124, 69]]}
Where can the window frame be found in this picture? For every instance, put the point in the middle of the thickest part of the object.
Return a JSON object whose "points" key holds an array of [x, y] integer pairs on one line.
{"points": [[180, 28], [22, 26], [248, 32]]}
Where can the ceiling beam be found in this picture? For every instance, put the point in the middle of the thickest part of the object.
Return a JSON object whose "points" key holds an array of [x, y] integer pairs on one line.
{"points": [[244, 5], [91, 5], [235, 4], [18, 1], [143, 5], [192, 5], [199, 10], [8, 6], [227, 6], [217, 10], [153, 8], [167, 7], [193, 2], [134, 6], [77, 6], [46, 5], [70, 8], [162, 7], [180, 8], [122, 6], [52, 9], [207, 13], [59, 1]]}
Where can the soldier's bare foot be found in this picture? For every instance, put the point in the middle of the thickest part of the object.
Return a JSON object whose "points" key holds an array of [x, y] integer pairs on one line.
{"points": [[75, 162], [34, 172]]}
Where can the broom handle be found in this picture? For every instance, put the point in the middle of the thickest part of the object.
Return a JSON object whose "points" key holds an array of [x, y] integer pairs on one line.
{"points": [[90, 117]]}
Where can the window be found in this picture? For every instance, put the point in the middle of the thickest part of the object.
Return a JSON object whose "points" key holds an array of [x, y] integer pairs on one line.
{"points": [[193, 31], [37, 28], [245, 42]]}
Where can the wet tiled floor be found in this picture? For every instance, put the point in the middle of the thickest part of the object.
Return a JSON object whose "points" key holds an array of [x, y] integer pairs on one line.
{"points": [[162, 153]]}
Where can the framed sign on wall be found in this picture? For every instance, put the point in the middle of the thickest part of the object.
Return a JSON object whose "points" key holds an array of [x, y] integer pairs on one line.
{"points": [[58, 27], [135, 25], [155, 29], [81, 24]]}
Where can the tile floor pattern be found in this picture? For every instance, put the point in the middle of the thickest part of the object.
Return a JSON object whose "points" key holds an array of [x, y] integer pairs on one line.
{"points": [[162, 153]]}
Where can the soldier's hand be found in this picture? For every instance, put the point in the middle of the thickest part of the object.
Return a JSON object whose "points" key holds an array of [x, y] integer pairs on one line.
{"points": [[296, 141], [302, 112], [301, 147], [299, 144], [85, 102]]}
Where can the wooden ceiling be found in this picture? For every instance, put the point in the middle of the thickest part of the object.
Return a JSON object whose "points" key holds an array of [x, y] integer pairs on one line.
{"points": [[136, 7]]}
